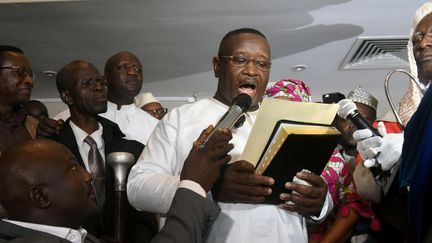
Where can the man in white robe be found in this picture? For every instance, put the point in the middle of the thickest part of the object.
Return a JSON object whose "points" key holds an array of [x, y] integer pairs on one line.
{"points": [[242, 66]]}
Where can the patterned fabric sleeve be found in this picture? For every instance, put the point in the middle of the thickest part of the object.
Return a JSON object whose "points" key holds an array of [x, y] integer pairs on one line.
{"points": [[340, 183]]}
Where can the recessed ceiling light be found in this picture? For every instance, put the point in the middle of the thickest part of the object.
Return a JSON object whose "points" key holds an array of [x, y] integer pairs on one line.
{"points": [[299, 68], [50, 73]]}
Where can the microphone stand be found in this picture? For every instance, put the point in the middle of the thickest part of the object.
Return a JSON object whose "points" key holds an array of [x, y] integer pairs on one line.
{"points": [[120, 162]]}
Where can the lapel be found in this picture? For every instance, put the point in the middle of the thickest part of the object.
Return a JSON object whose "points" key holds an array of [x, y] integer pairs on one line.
{"points": [[67, 138]]}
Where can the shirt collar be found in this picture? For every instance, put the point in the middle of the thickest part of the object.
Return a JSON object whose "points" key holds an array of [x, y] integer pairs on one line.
{"points": [[80, 134], [122, 108], [75, 236]]}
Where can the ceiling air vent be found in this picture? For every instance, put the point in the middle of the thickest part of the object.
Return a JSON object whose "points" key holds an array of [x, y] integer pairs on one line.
{"points": [[377, 53]]}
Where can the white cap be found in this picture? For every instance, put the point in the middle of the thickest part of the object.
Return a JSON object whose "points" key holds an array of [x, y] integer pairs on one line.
{"points": [[144, 98]]}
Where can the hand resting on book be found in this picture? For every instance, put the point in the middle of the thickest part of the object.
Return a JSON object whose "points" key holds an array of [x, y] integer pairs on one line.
{"points": [[308, 200], [242, 185]]}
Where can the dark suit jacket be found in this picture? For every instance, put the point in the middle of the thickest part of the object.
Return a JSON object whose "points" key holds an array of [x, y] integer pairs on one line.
{"points": [[140, 226], [189, 218], [17, 234]]}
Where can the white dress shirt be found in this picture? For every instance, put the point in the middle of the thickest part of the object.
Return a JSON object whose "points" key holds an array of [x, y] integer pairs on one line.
{"points": [[84, 147], [135, 123], [154, 179], [75, 236]]}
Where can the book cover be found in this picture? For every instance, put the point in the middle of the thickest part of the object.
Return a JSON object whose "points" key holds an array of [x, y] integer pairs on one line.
{"points": [[299, 149], [272, 111], [293, 147]]}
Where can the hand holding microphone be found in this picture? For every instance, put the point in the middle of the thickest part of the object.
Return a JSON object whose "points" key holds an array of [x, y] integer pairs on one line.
{"points": [[385, 151], [373, 145], [240, 105]]}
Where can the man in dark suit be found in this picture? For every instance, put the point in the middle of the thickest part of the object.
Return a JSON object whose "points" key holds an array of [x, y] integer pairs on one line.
{"points": [[84, 90], [43, 187]]}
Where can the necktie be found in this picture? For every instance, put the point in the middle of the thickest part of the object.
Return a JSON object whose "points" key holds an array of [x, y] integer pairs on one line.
{"points": [[96, 166]]}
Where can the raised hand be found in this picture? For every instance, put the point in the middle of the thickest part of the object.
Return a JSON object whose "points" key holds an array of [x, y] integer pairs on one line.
{"points": [[203, 163], [48, 127]]}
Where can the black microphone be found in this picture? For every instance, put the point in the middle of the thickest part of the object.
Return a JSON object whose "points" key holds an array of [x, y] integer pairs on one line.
{"points": [[241, 104], [348, 110]]}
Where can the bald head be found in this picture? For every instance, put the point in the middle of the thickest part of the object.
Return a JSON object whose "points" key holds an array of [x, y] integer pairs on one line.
{"points": [[113, 61], [65, 77], [123, 72], [41, 183], [20, 167]]}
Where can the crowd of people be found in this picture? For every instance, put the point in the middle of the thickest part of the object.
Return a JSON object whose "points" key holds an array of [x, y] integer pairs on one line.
{"points": [[188, 182]]}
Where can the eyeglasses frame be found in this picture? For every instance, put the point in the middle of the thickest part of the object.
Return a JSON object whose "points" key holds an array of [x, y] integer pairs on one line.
{"points": [[16, 70], [248, 59]]}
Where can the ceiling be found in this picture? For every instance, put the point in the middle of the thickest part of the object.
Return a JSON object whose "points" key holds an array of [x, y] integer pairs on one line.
{"points": [[176, 40]]}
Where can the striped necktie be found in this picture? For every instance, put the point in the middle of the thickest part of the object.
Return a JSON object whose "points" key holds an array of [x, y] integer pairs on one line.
{"points": [[97, 170]]}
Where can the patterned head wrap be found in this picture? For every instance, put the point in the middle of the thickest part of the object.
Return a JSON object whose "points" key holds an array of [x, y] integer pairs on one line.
{"points": [[360, 95], [294, 89], [410, 101]]}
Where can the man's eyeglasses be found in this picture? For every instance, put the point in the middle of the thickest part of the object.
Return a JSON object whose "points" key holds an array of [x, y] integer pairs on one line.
{"points": [[158, 112], [21, 71], [240, 61]]}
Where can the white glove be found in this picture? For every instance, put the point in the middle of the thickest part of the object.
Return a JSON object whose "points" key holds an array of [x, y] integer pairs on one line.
{"points": [[367, 145], [389, 147]]}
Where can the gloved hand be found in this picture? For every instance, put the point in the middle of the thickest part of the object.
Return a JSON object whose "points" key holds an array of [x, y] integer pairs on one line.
{"points": [[388, 147]]}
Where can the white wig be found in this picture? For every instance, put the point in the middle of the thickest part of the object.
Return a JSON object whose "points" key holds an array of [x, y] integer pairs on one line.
{"points": [[410, 101]]}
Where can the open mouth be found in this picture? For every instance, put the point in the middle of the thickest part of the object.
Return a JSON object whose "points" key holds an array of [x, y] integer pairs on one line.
{"points": [[247, 88]]}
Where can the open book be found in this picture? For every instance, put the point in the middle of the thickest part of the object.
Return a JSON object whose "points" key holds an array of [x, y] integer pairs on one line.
{"points": [[288, 137]]}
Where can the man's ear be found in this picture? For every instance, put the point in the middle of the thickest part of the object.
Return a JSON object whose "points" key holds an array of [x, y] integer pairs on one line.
{"points": [[216, 66], [38, 196], [66, 98]]}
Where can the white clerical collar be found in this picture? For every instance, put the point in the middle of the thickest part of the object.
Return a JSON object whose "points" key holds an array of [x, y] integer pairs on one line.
{"points": [[75, 236]]}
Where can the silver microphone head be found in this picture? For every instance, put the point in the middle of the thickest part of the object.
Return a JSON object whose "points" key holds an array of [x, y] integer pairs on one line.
{"points": [[346, 107], [120, 162]]}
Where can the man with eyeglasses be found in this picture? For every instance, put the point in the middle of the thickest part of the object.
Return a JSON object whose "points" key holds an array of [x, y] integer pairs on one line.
{"points": [[16, 84], [123, 72], [242, 66]]}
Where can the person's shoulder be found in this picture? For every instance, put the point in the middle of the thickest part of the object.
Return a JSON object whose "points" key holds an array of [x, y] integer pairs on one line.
{"points": [[17, 234], [199, 106], [37, 239]]}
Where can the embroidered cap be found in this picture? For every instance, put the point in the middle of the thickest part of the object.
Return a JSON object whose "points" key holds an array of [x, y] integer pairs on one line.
{"points": [[361, 96], [144, 98]]}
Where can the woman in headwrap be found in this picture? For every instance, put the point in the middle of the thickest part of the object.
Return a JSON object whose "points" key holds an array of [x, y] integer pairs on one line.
{"points": [[348, 205]]}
